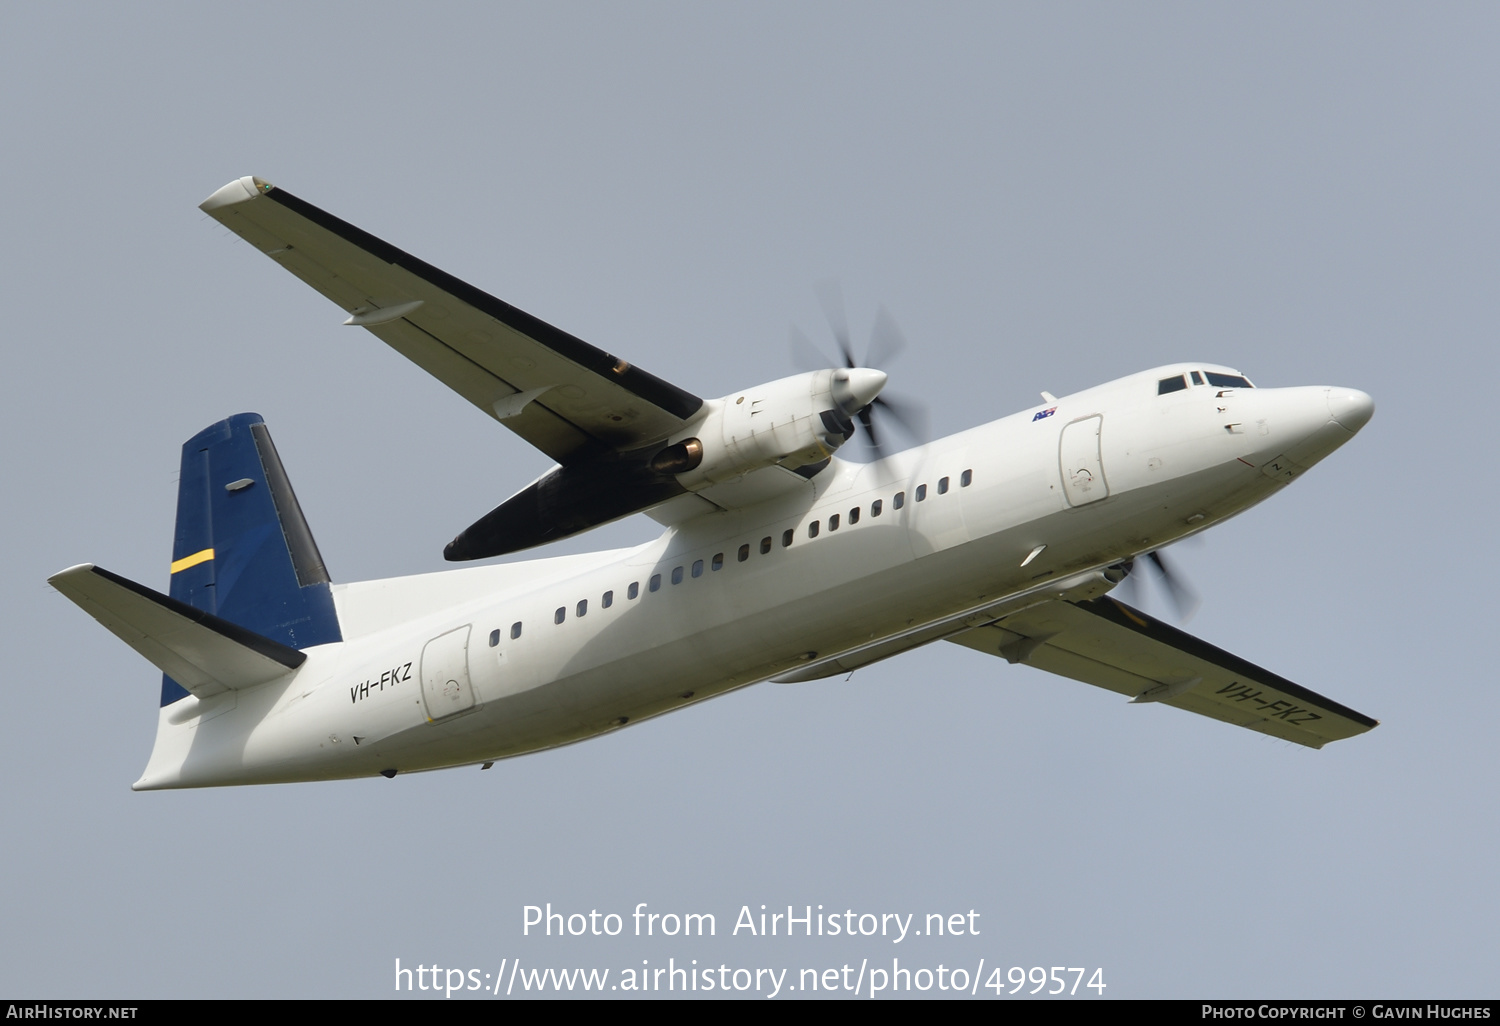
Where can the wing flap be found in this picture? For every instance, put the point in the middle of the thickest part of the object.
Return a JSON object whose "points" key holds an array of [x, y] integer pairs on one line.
{"points": [[1110, 645], [203, 653], [483, 348]]}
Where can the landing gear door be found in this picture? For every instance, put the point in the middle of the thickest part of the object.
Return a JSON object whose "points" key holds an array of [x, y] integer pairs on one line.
{"points": [[446, 688], [1082, 468]]}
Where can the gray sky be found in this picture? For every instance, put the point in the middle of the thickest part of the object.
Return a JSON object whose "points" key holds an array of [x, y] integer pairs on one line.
{"points": [[1044, 196]]}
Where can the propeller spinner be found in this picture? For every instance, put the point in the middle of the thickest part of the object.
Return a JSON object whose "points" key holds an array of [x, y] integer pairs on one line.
{"points": [[862, 386]]}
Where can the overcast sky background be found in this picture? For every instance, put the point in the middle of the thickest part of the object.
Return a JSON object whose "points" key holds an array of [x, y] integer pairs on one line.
{"points": [[1044, 196]]}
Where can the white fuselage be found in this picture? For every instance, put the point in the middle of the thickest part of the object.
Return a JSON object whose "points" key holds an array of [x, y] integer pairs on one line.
{"points": [[1024, 509]]}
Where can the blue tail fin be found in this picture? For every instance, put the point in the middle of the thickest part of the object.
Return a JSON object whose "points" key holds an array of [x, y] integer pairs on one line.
{"points": [[243, 550]]}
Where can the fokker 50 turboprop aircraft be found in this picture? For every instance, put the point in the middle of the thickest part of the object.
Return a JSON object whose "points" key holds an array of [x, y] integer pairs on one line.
{"points": [[780, 561]]}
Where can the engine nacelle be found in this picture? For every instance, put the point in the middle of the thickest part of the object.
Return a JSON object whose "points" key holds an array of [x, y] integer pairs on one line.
{"points": [[792, 422]]}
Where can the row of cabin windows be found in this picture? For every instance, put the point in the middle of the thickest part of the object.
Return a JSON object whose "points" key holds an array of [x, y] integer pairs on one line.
{"points": [[717, 562], [877, 507]]}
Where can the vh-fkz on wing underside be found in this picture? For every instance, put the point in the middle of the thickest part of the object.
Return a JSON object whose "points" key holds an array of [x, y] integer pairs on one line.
{"points": [[1111, 645], [572, 401]]}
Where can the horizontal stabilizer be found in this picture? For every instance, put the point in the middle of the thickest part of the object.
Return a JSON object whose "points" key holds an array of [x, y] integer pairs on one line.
{"points": [[205, 654]]}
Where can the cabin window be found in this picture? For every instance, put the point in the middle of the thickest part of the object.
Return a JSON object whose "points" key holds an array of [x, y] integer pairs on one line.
{"points": [[655, 584], [515, 630], [607, 600], [494, 637], [633, 590], [942, 486], [812, 529], [677, 575], [786, 538], [876, 507], [583, 606], [744, 552], [899, 500], [560, 615], [921, 493], [833, 522], [854, 516], [718, 563], [697, 568], [966, 478], [765, 545], [1176, 384]]}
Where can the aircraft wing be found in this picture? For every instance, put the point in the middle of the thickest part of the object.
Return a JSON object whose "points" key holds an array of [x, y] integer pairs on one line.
{"points": [[570, 400], [1111, 645]]}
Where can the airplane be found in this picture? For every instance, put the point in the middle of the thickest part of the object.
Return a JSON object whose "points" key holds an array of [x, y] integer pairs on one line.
{"points": [[780, 560]]}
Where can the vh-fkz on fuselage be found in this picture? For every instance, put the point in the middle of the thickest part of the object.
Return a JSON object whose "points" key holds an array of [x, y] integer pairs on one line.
{"points": [[780, 561]]}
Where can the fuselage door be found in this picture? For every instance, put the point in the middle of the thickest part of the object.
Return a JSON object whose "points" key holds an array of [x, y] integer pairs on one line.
{"points": [[1080, 462], [446, 688]]}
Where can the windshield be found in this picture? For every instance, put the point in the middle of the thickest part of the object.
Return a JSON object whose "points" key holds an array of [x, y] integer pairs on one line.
{"points": [[1227, 380]]}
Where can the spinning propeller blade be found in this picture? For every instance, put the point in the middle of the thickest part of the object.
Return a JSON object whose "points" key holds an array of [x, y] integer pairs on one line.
{"points": [[1183, 596], [886, 343]]}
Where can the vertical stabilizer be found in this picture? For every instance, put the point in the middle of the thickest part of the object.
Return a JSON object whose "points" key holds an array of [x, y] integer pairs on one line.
{"points": [[243, 550]]}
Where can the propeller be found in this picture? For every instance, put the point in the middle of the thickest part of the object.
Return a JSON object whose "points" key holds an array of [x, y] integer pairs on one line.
{"points": [[886, 343], [1184, 598]]}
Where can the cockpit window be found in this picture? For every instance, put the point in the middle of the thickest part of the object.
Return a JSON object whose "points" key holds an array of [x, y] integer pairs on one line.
{"points": [[1166, 385], [1197, 378], [1227, 380]]}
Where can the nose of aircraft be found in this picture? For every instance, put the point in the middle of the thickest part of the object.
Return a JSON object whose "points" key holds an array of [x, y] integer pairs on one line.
{"points": [[1350, 407], [1307, 422]]}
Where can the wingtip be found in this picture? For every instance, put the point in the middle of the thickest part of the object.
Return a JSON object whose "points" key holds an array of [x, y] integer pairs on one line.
{"points": [[72, 571], [237, 191]]}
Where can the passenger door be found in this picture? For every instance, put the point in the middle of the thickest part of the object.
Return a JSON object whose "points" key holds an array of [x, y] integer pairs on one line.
{"points": [[446, 688]]}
